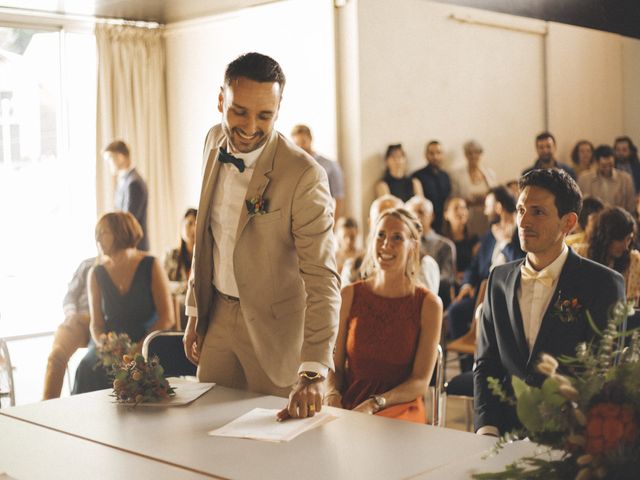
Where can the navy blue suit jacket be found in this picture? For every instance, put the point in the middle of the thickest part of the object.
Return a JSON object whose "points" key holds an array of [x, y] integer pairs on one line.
{"points": [[131, 196], [502, 350]]}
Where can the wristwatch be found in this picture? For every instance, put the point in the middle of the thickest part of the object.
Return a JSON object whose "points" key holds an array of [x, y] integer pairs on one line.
{"points": [[311, 375], [380, 402]]}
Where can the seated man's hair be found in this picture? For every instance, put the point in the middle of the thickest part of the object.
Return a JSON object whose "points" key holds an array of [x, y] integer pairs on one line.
{"points": [[504, 197], [589, 205], [256, 67], [301, 129], [568, 197], [603, 151], [544, 136]]}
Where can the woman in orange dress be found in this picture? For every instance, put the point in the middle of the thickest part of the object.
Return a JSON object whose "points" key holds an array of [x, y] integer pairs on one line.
{"points": [[389, 328]]}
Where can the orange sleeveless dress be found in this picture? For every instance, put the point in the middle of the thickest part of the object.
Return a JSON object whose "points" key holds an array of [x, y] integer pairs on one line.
{"points": [[382, 340]]}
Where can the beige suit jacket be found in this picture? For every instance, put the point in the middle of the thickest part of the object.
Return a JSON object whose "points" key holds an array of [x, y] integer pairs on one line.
{"points": [[284, 260]]}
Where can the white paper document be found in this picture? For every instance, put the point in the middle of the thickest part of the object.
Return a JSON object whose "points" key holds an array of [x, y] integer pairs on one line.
{"points": [[186, 392], [261, 424]]}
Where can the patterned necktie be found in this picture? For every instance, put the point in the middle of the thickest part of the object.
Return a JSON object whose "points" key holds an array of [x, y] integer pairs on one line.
{"points": [[543, 276], [226, 157]]}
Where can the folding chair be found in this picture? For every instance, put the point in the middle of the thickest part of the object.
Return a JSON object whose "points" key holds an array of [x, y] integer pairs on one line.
{"points": [[436, 388], [6, 376], [168, 347]]}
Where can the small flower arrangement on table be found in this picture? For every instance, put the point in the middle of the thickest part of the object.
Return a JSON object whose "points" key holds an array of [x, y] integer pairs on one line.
{"points": [[592, 418], [137, 381], [112, 347]]}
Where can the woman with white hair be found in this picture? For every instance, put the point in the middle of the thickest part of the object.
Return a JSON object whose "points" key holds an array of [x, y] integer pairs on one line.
{"points": [[389, 327], [472, 182]]}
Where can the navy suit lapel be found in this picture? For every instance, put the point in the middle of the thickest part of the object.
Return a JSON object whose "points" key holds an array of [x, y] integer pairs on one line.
{"points": [[514, 313], [564, 289]]}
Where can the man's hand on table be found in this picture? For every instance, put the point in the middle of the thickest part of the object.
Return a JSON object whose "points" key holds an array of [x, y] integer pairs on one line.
{"points": [[305, 399]]}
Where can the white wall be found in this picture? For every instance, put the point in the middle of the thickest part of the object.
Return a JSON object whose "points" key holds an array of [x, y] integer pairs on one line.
{"points": [[631, 87], [423, 75], [584, 69], [427, 70], [297, 33]]}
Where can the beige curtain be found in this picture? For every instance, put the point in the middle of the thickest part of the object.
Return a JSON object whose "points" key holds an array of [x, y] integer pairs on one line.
{"points": [[132, 107]]}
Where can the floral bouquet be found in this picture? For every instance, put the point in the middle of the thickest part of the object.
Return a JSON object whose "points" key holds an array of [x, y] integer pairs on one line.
{"points": [[138, 381], [112, 348], [591, 418]]}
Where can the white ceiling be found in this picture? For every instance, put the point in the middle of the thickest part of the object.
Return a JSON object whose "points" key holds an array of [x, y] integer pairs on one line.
{"points": [[161, 11]]}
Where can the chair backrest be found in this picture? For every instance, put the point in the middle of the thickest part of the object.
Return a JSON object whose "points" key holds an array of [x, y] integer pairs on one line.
{"points": [[6, 375], [168, 347], [436, 386]]}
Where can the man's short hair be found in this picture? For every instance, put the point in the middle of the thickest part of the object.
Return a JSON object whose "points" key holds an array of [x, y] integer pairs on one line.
{"points": [[118, 146], [589, 205], [544, 136], [503, 197], [568, 197], [301, 129], [603, 151], [256, 67]]}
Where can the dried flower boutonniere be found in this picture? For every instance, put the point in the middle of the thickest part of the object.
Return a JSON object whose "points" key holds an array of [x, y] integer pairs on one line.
{"points": [[567, 310], [257, 205]]}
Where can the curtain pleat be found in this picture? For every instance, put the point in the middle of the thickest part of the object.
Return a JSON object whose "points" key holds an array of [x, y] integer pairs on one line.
{"points": [[132, 107]]}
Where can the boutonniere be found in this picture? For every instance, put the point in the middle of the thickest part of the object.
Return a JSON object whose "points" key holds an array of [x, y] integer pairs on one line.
{"points": [[568, 310], [257, 205]]}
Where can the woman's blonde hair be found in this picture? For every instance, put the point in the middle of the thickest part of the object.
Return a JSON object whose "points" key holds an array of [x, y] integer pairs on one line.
{"points": [[124, 227], [369, 265]]}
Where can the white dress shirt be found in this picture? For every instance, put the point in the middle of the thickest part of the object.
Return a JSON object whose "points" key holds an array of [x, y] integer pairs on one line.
{"points": [[534, 296]]}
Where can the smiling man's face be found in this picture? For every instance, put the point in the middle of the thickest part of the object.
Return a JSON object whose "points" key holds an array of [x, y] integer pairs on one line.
{"points": [[249, 111]]}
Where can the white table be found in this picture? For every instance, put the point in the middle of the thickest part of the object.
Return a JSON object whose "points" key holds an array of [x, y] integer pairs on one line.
{"points": [[355, 446], [31, 452]]}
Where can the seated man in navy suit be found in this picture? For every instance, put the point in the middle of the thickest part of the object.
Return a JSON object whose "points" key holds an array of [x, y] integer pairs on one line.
{"points": [[518, 316]]}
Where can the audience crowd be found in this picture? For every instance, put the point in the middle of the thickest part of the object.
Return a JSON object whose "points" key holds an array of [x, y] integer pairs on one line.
{"points": [[434, 238]]}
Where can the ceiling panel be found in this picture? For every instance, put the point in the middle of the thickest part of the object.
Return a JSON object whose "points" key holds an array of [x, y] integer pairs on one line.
{"points": [[161, 11]]}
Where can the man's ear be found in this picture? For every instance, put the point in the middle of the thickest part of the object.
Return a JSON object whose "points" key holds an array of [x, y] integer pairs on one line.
{"points": [[569, 221], [221, 100]]}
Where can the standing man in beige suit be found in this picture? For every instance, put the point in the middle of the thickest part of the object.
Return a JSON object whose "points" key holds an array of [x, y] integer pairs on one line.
{"points": [[264, 295]]}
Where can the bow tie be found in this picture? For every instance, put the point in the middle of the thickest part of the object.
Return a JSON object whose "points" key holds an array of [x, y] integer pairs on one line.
{"points": [[542, 276], [226, 157]]}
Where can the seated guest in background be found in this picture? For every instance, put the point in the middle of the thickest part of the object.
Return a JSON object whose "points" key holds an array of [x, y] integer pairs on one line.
{"points": [[519, 319], [128, 293], [499, 245], [456, 216], [395, 180], [131, 193], [590, 207], [177, 261], [72, 334], [347, 238], [440, 248], [612, 186], [351, 270], [428, 274], [611, 244], [627, 159], [389, 328], [546, 149], [582, 156], [472, 183], [301, 136], [436, 184]]}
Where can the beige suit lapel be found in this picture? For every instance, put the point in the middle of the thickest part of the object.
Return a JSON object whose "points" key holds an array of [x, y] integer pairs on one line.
{"points": [[259, 181]]}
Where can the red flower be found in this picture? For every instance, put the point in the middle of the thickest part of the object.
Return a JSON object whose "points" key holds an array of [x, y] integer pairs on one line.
{"points": [[609, 425]]}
